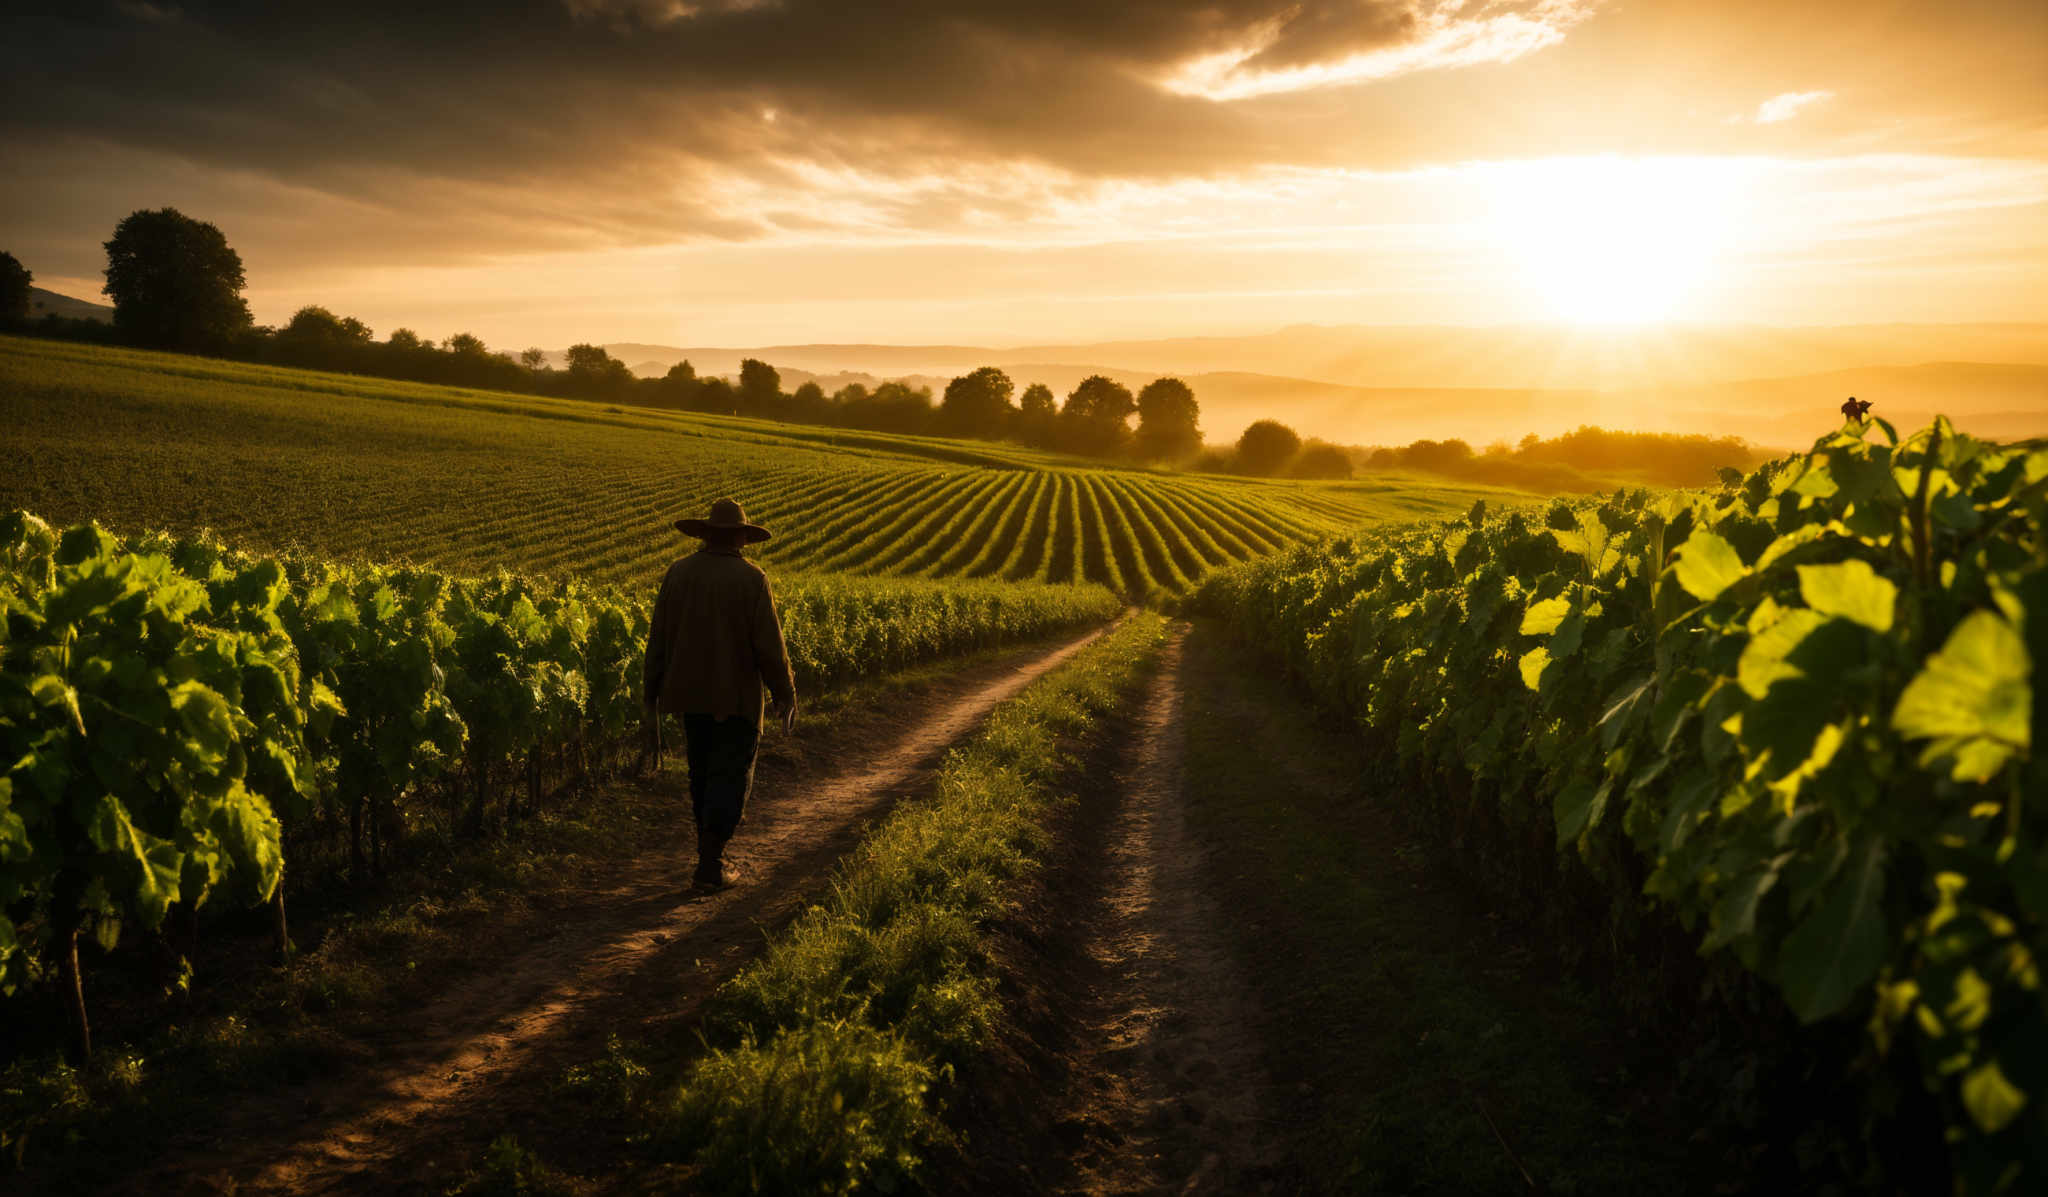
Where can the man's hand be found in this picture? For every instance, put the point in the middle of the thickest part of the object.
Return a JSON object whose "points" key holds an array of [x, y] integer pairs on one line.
{"points": [[786, 711]]}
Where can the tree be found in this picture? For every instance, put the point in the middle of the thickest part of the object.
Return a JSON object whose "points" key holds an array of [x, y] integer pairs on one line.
{"points": [[464, 344], [760, 387], [978, 405], [714, 394], [595, 374], [14, 291], [809, 405], [1092, 419], [1266, 447], [1169, 426], [175, 282], [678, 387], [1322, 460], [1037, 416], [320, 339], [535, 359]]}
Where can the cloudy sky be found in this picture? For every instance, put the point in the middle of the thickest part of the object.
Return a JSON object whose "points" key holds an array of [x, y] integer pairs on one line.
{"points": [[1013, 171]]}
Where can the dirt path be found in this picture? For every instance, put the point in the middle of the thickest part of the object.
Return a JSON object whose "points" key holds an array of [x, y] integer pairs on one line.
{"points": [[1168, 1095], [637, 959]]}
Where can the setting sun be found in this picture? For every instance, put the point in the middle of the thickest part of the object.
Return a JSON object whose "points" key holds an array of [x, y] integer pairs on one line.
{"points": [[1614, 240]]}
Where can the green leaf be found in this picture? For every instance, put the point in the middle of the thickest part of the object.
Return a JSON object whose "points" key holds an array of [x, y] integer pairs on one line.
{"points": [[1707, 565], [1851, 590], [208, 722], [1838, 948], [151, 866], [1735, 913], [1992, 1100], [1764, 659], [1533, 663], [250, 835], [51, 691], [1972, 698], [1542, 618], [1573, 809]]}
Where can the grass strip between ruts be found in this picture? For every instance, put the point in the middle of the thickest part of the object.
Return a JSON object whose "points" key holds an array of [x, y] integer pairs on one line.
{"points": [[828, 1052]]}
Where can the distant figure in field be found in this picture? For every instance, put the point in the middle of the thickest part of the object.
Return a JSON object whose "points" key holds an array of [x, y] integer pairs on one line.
{"points": [[1855, 408], [715, 645]]}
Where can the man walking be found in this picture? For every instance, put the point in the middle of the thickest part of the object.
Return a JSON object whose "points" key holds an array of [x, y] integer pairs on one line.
{"points": [[715, 644]]}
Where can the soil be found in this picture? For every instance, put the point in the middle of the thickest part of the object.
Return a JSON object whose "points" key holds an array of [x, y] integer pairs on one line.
{"points": [[1132, 1064], [635, 957], [1175, 1097]]}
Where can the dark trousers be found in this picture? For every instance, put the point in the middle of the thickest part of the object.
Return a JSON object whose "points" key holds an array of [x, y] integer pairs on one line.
{"points": [[721, 755]]}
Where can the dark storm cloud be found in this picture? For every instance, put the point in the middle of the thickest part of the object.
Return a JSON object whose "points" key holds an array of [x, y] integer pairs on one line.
{"points": [[519, 91]]}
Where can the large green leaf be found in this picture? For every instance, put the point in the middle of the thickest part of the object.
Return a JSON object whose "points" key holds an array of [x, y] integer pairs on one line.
{"points": [[51, 691], [1992, 1100], [208, 722], [1735, 912], [149, 866], [1837, 950], [1542, 618], [1972, 699], [1851, 590], [1707, 565], [1765, 659]]}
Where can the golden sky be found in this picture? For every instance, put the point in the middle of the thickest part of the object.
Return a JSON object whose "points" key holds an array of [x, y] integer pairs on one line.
{"points": [[750, 172]]}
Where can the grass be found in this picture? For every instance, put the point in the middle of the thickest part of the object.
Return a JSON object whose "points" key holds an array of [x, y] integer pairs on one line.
{"points": [[361, 468], [833, 1049], [1436, 1052]]}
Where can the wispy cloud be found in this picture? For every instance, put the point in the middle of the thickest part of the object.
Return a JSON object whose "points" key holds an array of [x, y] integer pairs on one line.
{"points": [[1433, 35], [1786, 106]]}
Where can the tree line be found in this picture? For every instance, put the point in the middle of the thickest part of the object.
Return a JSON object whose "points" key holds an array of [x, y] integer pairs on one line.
{"points": [[176, 284], [1585, 459]]}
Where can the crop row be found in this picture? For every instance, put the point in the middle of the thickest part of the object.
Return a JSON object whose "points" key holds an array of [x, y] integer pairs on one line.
{"points": [[1135, 534], [175, 715], [1798, 714]]}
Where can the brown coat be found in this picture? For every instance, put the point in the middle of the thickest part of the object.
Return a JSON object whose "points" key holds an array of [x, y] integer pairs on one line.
{"points": [[716, 641]]}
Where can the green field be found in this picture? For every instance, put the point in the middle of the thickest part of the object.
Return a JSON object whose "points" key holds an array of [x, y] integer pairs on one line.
{"points": [[471, 480]]}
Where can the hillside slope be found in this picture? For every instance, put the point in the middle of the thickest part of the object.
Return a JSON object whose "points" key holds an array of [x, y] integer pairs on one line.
{"points": [[479, 480]]}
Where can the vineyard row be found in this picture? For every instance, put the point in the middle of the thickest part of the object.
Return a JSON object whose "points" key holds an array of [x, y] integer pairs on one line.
{"points": [[179, 718], [1799, 716]]}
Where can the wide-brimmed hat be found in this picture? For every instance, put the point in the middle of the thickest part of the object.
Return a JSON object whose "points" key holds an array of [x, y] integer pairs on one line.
{"points": [[726, 519]]}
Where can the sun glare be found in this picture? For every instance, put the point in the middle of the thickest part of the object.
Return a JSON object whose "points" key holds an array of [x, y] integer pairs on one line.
{"points": [[1612, 240]]}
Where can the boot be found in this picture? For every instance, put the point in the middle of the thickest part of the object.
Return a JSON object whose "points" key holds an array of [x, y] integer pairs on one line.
{"points": [[713, 872]]}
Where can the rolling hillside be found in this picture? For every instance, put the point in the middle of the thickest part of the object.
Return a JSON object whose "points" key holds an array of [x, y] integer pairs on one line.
{"points": [[478, 480]]}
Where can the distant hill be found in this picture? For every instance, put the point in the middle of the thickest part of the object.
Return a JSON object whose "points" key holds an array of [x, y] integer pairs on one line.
{"points": [[2007, 401], [1519, 357], [43, 303], [1392, 385]]}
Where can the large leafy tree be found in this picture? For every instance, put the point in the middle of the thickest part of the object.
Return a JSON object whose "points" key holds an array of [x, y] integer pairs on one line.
{"points": [[14, 291], [1169, 427], [594, 373], [1037, 416], [760, 387], [978, 404], [317, 337], [1266, 447], [175, 282], [1093, 419]]}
